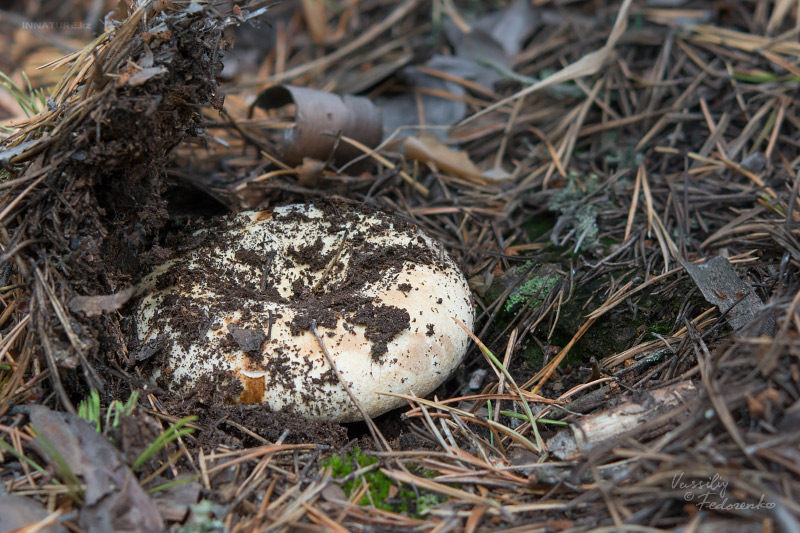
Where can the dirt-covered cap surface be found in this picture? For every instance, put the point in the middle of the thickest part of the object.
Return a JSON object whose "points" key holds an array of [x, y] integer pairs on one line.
{"points": [[240, 309]]}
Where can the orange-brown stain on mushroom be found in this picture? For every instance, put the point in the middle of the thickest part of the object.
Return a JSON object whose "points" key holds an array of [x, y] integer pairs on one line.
{"points": [[263, 215], [253, 389]]}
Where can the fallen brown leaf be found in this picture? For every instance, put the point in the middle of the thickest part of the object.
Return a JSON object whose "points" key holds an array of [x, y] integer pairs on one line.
{"points": [[97, 305], [113, 499]]}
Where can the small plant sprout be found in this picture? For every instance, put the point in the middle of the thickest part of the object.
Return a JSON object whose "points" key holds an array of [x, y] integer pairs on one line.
{"points": [[496, 362], [360, 477], [31, 101], [90, 410], [175, 431]]}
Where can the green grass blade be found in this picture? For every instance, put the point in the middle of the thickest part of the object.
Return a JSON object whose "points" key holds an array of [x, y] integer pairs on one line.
{"points": [[6, 447], [495, 361], [512, 414], [175, 431], [173, 483], [65, 473]]}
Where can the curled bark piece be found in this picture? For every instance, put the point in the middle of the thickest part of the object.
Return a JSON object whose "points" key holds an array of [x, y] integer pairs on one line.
{"points": [[320, 117]]}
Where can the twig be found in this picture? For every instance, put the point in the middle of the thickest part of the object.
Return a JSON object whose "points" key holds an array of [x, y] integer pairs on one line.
{"points": [[380, 440], [321, 281]]}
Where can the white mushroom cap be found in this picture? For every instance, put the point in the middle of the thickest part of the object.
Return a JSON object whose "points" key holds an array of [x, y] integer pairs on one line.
{"points": [[238, 310]]}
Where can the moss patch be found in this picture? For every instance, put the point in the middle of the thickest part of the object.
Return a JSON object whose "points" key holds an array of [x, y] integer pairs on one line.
{"points": [[381, 494], [535, 289]]}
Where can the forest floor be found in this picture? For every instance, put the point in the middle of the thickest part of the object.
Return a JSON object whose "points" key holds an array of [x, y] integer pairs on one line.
{"points": [[618, 182]]}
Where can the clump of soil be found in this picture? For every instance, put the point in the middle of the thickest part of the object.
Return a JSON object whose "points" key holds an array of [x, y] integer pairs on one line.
{"points": [[102, 206], [90, 192], [220, 422]]}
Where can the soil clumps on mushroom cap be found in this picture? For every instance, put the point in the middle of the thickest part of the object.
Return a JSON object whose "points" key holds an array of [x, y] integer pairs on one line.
{"points": [[238, 310]]}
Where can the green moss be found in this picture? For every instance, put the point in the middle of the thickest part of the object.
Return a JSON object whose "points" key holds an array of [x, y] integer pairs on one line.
{"points": [[626, 157], [339, 468], [575, 190], [585, 225], [535, 289], [406, 501], [583, 218], [426, 501], [538, 282], [663, 327], [607, 243], [534, 357]]}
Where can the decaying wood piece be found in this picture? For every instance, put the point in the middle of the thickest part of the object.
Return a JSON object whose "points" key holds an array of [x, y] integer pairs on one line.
{"points": [[630, 419]]}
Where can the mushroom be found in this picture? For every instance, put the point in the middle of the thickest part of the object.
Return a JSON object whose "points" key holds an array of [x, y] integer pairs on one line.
{"points": [[257, 305]]}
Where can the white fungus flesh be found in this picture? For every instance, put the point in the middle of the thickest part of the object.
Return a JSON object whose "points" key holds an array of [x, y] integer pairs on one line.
{"points": [[237, 312]]}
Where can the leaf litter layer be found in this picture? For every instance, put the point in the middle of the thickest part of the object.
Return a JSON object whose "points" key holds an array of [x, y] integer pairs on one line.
{"points": [[665, 136]]}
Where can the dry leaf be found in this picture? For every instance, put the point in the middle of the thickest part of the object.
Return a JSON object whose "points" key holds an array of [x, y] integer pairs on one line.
{"points": [[423, 98], [141, 77], [309, 173], [176, 501], [763, 402], [113, 499], [482, 55], [428, 149], [722, 287], [97, 305], [589, 64], [19, 512], [493, 41]]}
